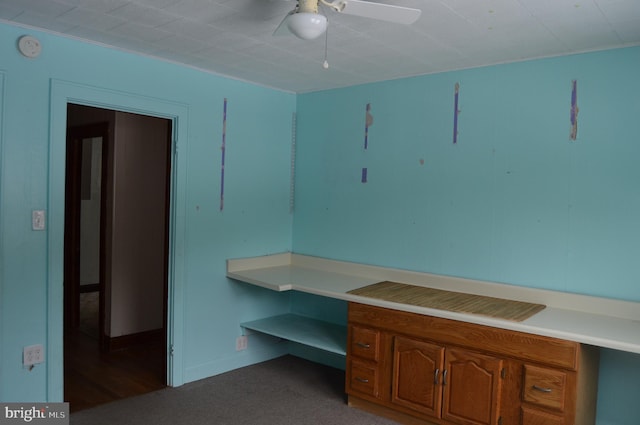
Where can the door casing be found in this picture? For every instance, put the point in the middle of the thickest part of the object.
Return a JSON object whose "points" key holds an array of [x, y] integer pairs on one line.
{"points": [[62, 93]]}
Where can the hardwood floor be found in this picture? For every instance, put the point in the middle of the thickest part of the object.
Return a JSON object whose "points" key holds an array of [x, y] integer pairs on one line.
{"points": [[92, 378]]}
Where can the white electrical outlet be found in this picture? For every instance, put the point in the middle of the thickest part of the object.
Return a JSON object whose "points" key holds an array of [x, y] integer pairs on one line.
{"points": [[241, 343], [33, 354]]}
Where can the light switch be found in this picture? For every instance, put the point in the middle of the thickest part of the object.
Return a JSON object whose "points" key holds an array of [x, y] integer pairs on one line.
{"points": [[37, 220]]}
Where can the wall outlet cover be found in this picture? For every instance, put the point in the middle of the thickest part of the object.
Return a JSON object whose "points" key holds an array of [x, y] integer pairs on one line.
{"points": [[241, 343], [33, 354]]}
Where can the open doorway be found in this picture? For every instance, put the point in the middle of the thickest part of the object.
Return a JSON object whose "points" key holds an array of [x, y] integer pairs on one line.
{"points": [[117, 195]]}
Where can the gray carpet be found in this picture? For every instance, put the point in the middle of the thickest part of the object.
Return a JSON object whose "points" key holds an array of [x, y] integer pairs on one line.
{"points": [[284, 391]]}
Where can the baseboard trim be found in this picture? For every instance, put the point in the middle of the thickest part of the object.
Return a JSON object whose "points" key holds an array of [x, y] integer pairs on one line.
{"points": [[141, 338], [89, 287]]}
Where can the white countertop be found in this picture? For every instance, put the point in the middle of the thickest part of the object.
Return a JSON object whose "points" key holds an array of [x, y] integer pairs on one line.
{"points": [[602, 322]]}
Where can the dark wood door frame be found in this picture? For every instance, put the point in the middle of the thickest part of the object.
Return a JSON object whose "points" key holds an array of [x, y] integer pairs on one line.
{"points": [[73, 187]]}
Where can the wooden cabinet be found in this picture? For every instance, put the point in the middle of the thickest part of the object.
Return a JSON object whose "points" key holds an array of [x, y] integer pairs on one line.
{"points": [[535, 417], [544, 387], [472, 385], [416, 379], [365, 343], [419, 369], [363, 369], [438, 382]]}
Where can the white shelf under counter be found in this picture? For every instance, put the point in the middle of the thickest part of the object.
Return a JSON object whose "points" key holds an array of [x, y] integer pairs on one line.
{"points": [[597, 321], [314, 333]]}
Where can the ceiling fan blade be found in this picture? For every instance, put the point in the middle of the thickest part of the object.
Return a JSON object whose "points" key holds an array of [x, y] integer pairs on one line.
{"points": [[381, 11], [283, 28]]}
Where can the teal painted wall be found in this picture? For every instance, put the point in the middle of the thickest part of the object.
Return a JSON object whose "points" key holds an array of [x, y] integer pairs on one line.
{"points": [[256, 219], [514, 201]]}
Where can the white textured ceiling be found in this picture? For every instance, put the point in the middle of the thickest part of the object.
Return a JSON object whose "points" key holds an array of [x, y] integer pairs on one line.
{"points": [[234, 37]]}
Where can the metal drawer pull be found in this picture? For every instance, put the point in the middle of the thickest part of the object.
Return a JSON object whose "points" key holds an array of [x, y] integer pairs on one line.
{"points": [[544, 390], [363, 380], [444, 377], [435, 376], [363, 345]]}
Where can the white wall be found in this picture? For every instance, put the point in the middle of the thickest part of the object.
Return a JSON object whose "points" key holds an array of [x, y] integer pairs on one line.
{"points": [[90, 215], [138, 234]]}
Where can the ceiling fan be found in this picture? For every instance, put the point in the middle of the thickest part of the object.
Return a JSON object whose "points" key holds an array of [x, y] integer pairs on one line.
{"points": [[307, 23]]}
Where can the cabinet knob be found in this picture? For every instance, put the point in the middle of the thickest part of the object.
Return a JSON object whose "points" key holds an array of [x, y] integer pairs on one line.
{"points": [[444, 377], [363, 345], [363, 380], [435, 376]]}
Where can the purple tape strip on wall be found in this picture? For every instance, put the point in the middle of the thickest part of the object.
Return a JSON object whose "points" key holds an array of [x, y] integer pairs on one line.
{"points": [[364, 175], [223, 148], [574, 110]]}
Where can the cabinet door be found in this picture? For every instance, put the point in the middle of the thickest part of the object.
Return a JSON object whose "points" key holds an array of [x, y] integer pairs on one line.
{"points": [[416, 369], [472, 386]]}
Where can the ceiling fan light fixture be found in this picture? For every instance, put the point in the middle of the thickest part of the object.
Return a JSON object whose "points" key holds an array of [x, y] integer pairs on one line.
{"points": [[307, 26]]}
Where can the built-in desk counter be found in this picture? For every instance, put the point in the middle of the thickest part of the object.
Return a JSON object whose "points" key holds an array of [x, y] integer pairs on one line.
{"points": [[590, 320]]}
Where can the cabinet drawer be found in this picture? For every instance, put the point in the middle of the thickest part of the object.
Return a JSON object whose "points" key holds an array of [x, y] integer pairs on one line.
{"points": [[365, 343], [544, 387], [363, 378], [533, 417]]}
